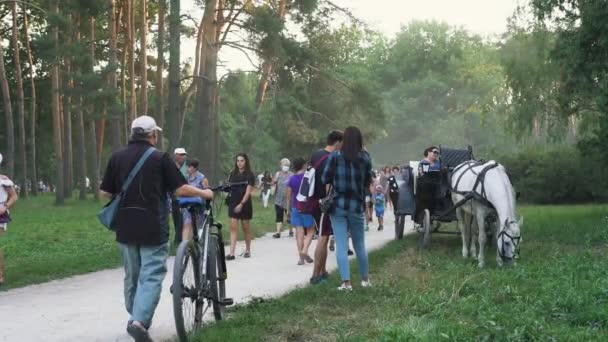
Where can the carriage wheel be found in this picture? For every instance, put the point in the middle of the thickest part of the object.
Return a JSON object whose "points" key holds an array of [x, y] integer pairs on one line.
{"points": [[425, 238], [399, 226]]}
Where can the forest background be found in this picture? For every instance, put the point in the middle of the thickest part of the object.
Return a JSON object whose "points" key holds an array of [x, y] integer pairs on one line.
{"points": [[74, 73]]}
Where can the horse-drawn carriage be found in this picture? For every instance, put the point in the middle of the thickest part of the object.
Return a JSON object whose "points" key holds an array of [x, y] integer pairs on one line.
{"points": [[478, 194], [425, 195]]}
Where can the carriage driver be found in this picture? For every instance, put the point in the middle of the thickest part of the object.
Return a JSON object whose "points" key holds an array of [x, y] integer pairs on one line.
{"points": [[431, 160]]}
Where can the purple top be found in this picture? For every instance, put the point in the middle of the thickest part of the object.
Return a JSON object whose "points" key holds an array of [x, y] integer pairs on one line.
{"points": [[294, 185]]}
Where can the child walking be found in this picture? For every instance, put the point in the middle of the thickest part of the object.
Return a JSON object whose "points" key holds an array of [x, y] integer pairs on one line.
{"points": [[379, 201]]}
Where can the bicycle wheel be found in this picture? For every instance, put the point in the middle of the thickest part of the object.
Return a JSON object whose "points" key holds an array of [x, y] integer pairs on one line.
{"points": [[216, 279], [187, 306], [426, 234]]}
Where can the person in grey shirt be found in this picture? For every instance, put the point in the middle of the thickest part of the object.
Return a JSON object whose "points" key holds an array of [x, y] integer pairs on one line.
{"points": [[280, 196]]}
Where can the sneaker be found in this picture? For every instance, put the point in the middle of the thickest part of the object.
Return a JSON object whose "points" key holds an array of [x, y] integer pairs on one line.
{"points": [[276, 235], [301, 262], [139, 333], [346, 288], [366, 283], [317, 280], [247, 255], [380, 228], [230, 257], [308, 259]]}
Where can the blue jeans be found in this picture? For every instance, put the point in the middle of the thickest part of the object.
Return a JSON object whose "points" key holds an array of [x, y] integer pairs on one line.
{"points": [[342, 222], [145, 269]]}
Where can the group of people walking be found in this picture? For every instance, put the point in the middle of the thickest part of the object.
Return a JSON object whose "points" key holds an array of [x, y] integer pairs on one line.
{"points": [[340, 173]]}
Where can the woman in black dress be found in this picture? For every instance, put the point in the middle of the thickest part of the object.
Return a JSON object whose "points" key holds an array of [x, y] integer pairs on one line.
{"points": [[240, 208]]}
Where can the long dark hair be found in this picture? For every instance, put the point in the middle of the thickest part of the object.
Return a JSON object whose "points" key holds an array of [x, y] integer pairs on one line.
{"points": [[235, 171], [352, 144]]}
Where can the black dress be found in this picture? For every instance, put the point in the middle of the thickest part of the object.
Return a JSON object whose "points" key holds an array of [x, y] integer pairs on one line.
{"points": [[238, 192]]}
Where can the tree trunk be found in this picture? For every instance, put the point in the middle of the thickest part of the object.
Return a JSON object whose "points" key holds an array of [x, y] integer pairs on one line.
{"points": [[81, 162], [131, 46], [93, 155], [8, 114], [30, 60], [143, 55], [267, 67], [174, 73], [93, 160], [205, 99], [68, 170], [114, 108], [160, 68], [21, 151], [59, 198], [123, 63]]}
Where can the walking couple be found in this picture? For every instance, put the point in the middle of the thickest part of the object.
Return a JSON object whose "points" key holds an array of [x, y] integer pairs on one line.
{"points": [[345, 171]]}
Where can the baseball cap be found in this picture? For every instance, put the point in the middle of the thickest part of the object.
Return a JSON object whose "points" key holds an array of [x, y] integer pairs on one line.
{"points": [[180, 150], [146, 123]]}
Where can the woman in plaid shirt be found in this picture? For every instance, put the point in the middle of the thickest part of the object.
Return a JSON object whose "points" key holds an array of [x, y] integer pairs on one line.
{"points": [[349, 171]]}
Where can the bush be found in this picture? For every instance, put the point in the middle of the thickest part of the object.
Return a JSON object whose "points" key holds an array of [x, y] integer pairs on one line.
{"points": [[556, 176]]}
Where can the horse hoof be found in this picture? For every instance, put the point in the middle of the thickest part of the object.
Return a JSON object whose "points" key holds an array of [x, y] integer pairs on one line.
{"points": [[481, 265]]}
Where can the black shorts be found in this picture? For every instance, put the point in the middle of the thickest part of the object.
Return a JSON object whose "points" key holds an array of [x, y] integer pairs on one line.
{"points": [[279, 213], [246, 212], [324, 228]]}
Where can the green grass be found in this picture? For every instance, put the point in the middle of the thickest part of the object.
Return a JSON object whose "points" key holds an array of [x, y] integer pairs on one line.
{"points": [[558, 292], [45, 242]]}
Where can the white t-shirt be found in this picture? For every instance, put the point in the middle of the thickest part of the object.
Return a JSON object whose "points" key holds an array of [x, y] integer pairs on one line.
{"points": [[5, 183]]}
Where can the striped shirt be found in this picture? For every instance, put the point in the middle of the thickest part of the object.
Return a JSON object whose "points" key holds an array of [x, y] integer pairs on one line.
{"points": [[349, 180]]}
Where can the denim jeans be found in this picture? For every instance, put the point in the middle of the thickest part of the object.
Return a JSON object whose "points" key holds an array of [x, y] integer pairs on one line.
{"points": [[145, 269], [344, 222]]}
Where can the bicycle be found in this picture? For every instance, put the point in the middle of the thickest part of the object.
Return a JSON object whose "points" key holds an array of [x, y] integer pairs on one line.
{"points": [[200, 268]]}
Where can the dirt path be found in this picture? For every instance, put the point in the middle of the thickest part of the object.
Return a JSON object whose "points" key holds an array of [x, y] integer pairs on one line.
{"points": [[90, 307]]}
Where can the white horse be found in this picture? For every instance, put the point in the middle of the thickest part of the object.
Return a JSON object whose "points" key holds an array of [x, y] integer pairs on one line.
{"points": [[491, 193]]}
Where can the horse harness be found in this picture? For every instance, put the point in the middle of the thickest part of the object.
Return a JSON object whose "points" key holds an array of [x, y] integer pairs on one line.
{"points": [[481, 176]]}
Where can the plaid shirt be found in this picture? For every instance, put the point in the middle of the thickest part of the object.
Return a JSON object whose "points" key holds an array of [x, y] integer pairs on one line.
{"points": [[349, 180]]}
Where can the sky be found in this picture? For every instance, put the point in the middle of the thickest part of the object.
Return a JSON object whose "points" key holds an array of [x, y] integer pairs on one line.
{"points": [[485, 17]]}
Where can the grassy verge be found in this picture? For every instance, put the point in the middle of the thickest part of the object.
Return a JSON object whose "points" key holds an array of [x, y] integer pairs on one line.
{"points": [[45, 242], [559, 291]]}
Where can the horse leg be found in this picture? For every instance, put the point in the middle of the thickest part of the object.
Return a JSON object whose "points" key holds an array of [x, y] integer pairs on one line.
{"points": [[464, 231], [496, 230], [481, 227], [474, 230]]}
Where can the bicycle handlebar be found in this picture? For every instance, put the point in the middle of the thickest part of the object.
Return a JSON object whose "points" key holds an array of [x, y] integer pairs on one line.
{"points": [[225, 187]]}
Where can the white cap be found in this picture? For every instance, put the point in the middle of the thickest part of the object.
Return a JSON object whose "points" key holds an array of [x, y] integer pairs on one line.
{"points": [[146, 123], [180, 150]]}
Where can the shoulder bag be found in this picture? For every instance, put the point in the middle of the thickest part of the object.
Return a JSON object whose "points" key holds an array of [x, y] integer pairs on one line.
{"points": [[107, 215]]}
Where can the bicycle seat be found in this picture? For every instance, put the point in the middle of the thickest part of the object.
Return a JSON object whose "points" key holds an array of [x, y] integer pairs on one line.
{"points": [[190, 202]]}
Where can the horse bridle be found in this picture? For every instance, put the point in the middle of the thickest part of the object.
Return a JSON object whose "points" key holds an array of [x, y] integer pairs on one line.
{"points": [[513, 239]]}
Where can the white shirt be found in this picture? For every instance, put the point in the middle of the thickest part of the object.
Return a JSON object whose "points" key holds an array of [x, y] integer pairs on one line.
{"points": [[5, 182]]}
